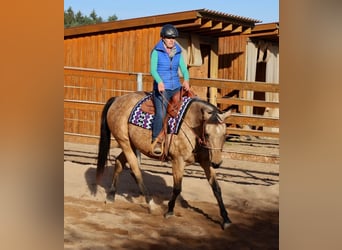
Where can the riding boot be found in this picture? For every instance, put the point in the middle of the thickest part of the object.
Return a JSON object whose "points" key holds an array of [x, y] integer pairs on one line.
{"points": [[157, 147]]}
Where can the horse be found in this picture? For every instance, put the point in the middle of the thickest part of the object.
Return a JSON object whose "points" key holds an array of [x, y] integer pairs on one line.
{"points": [[200, 139]]}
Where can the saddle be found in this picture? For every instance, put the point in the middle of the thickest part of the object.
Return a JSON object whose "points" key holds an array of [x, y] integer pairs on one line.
{"points": [[173, 106]]}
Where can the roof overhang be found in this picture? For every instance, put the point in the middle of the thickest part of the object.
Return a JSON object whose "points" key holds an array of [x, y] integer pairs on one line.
{"points": [[268, 31], [203, 22]]}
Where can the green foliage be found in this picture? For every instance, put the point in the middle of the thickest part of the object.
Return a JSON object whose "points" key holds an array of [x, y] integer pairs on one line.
{"points": [[112, 18], [71, 19]]}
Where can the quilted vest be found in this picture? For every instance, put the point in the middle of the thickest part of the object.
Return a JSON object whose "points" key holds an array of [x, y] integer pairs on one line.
{"points": [[167, 67]]}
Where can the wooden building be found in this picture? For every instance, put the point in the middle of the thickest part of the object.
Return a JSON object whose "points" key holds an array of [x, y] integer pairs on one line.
{"points": [[215, 45]]}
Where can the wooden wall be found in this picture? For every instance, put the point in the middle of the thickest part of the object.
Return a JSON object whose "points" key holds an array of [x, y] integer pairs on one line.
{"points": [[123, 51], [231, 50], [231, 62], [129, 51]]}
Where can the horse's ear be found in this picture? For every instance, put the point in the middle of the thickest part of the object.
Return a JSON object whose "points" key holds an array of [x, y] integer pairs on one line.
{"points": [[222, 117]]}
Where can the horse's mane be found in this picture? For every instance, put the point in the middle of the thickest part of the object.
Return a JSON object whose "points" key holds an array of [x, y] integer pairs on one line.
{"points": [[213, 110], [208, 104]]}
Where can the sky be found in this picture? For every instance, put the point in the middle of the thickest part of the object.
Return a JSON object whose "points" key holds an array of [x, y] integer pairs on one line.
{"points": [[266, 11]]}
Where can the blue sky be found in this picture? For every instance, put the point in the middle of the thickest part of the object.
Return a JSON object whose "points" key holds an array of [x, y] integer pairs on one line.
{"points": [[264, 10]]}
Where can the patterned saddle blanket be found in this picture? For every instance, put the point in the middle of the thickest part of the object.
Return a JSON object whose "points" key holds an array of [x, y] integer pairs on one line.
{"points": [[144, 120]]}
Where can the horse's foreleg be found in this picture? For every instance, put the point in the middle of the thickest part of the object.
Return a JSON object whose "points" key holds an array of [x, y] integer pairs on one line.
{"points": [[171, 205], [119, 163], [177, 171], [211, 176], [224, 214]]}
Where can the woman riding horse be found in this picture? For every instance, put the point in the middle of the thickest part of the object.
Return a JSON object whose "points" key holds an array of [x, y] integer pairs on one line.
{"points": [[166, 58], [200, 139]]}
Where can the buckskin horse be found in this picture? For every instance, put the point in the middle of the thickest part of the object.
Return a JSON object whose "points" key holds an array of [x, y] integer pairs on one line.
{"points": [[200, 139]]}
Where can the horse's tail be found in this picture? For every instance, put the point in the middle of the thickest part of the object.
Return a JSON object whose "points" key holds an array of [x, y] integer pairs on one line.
{"points": [[104, 143]]}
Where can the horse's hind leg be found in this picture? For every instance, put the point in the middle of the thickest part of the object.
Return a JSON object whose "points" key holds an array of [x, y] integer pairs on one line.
{"points": [[119, 163], [134, 165], [211, 176]]}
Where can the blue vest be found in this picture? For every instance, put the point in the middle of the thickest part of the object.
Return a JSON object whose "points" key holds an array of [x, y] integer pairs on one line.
{"points": [[167, 67]]}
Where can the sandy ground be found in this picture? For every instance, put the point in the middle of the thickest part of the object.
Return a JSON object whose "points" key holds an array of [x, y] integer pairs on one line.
{"points": [[250, 192]]}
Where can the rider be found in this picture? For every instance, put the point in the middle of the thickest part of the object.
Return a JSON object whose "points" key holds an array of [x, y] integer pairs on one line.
{"points": [[166, 58]]}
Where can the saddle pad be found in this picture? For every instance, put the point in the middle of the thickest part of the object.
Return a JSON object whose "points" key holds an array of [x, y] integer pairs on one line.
{"points": [[144, 120]]}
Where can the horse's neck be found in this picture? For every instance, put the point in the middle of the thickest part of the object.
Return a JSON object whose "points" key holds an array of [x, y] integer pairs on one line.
{"points": [[194, 115]]}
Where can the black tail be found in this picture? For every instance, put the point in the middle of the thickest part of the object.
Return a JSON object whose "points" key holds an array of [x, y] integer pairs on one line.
{"points": [[104, 143]]}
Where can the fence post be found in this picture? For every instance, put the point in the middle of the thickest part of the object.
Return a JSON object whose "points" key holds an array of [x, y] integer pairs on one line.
{"points": [[139, 82], [139, 88]]}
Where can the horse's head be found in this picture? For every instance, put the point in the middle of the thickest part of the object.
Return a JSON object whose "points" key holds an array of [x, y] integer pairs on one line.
{"points": [[214, 134]]}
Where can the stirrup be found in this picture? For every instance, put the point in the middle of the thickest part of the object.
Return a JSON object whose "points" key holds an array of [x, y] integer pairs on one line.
{"points": [[157, 150]]}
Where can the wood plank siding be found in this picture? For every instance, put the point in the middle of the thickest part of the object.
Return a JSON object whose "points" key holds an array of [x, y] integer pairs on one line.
{"points": [[232, 57], [125, 45], [122, 51], [106, 59]]}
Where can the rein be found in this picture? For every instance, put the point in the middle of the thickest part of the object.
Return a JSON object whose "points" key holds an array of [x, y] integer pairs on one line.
{"points": [[201, 140]]}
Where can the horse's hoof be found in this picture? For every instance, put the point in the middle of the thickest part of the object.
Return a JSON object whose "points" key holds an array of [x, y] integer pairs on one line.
{"points": [[93, 189], [226, 224], [111, 196], [168, 215], [154, 208]]}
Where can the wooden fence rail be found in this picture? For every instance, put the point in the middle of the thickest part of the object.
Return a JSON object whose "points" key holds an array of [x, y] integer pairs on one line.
{"points": [[87, 90]]}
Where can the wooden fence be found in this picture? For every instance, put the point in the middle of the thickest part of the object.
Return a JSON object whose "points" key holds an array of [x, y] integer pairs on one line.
{"points": [[87, 90]]}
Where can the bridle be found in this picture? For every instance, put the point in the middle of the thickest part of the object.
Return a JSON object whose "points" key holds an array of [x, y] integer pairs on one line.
{"points": [[200, 139]]}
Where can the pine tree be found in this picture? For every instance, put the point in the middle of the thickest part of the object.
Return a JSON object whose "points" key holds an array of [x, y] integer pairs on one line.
{"points": [[71, 19]]}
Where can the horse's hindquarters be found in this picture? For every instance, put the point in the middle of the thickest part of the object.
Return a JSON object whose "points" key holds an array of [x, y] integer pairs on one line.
{"points": [[140, 138]]}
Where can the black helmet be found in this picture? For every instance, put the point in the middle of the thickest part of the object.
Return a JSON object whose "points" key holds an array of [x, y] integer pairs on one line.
{"points": [[168, 30]]}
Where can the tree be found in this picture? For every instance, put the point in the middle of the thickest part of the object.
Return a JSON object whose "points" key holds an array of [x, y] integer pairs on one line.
{"points": [[112, 18], [71, 19]]}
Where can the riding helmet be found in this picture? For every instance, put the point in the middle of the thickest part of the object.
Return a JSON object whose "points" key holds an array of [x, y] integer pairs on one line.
{"points": [[169, 31]]}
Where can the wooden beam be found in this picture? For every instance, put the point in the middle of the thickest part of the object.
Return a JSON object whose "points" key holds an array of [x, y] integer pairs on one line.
{"points": [[213, 71], [216, 29], [240, 85], [130, 23], [238, 29], [100, 74], [271, 33], [245, 102], [250, 132], [217, 26], [228, 27], [247, 31], [207, 24], [92, 106], [264, 27], [195, 23], [262, 121]]}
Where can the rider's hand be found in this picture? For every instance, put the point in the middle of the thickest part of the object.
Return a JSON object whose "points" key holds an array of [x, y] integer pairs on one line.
{"points": [[186, 85], [161, 87]]}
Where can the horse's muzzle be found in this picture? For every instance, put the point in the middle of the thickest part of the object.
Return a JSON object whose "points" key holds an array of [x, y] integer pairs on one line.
{"points": [[216, 165]]}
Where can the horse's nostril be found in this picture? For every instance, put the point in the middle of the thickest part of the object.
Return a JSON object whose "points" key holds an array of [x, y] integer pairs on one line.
{"points": [[216, 165]]}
